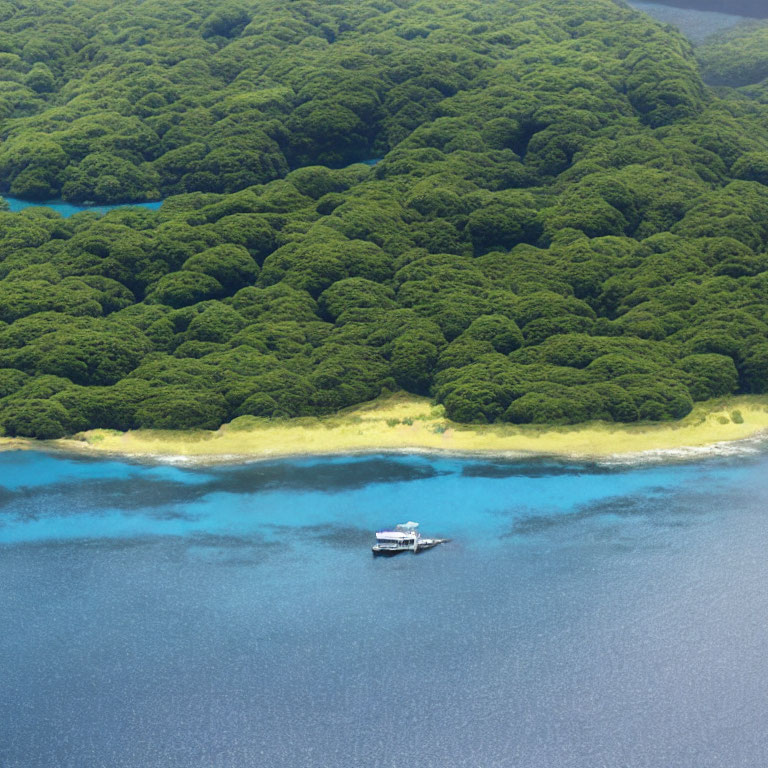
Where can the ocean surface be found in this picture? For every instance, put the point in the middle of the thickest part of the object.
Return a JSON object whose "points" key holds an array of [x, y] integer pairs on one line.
{"points": [[694, 24], [164, 616]]}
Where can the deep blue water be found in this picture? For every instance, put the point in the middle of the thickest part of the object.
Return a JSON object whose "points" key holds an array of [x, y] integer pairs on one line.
{"points": [[697, 25], [229, 617], [69, 209]]}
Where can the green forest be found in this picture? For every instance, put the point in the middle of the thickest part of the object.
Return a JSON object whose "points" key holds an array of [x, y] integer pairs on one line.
{"points": [[567, 221]]}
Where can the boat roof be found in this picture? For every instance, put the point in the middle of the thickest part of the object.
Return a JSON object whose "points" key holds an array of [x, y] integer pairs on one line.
{"points": [[395, 534]]}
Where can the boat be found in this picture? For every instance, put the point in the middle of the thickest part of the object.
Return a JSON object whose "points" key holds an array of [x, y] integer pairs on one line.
{"points": [[403, 538]]}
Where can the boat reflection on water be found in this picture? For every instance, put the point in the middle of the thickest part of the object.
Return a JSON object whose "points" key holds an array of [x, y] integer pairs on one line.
{"points": [[403, 538]]}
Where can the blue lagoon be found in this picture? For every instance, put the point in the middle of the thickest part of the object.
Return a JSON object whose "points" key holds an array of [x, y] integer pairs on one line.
{"points": [[66, 210]]}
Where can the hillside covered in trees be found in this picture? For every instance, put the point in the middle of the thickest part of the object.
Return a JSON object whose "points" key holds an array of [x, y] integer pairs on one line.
{"points": [[565, 224]]}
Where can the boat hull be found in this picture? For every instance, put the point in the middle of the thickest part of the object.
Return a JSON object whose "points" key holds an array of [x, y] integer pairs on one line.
{"points": [[388, 552], [392, 551]]}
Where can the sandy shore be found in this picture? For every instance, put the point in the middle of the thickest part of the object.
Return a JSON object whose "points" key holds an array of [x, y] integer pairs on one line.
{"points": [[407, 423]]}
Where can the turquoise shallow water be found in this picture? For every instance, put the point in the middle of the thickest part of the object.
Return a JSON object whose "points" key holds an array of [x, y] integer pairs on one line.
{"points": [[70, 209], [583, 615], [66, 210]]}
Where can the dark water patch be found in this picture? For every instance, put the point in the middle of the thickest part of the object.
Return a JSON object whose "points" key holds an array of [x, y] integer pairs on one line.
{"points": [[129, 494], [164, 494], [178, 545], [657, 506], [6, 496], [229, 541], [73, 547], [230, 550], [533, 468], [33, 469], [327, 475], [337, 536]]}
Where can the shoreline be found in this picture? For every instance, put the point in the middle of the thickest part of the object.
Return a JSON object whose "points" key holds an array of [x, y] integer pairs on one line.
{"points": [[406, 424]]}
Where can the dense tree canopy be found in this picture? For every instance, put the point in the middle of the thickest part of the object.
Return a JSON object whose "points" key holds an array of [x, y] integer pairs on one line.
{"points": [[737, 56], [565, 224]]}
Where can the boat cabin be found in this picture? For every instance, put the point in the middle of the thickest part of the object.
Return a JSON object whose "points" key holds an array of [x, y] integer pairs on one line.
{"points": [[404, 538], [396, 540]]}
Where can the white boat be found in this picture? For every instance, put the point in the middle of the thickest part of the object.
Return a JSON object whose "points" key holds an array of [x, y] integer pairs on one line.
{"points": [[403, 538]]}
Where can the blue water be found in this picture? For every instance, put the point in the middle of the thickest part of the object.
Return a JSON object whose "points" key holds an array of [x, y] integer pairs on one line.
{"points": [[70, 209], [16, 204], [694, 24], [232, 616]]}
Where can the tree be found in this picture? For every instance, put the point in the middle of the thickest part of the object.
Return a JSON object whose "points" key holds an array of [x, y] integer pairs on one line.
{"points": [[413, 358], [711, 375], [40, 78], [43, 419], [231, 265], [181, 289], [502, 333], [180, 408], [85, 357], [354, 293], [215, 323]]}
